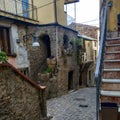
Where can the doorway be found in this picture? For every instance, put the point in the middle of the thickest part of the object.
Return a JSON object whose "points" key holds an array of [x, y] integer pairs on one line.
{"points": [[70, 80], [46, 40]]}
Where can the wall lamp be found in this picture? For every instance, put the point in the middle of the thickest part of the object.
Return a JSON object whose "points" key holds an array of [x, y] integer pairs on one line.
{"points": [[35, 39]]}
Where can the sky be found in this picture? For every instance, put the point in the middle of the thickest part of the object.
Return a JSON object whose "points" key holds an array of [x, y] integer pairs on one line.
{"points": [[87, 12]]}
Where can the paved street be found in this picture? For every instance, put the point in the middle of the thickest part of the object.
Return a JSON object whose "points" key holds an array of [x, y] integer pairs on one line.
{"points": [[78, 105]]}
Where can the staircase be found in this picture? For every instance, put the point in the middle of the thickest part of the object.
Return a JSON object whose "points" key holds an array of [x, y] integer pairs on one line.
{"points": [[107, 73], [110, 84]]}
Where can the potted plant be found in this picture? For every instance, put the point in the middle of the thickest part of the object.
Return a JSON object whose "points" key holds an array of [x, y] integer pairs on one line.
{"points": [[3, 57]]}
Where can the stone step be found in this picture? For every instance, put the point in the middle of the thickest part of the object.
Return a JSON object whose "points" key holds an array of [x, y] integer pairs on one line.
{"points": [[113, 48], [109, 64], [111, 80], [112, 41], [110, 93], [110, 99], [111, 70], [112, 55], [111, 74], [111, 86]]}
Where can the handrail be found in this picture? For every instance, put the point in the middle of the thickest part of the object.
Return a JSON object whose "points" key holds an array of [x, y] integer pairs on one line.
{"points": [[99, 63], [40, 87]]}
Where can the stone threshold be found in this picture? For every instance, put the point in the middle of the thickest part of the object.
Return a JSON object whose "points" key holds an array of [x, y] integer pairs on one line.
{"points": [[110, 93], [111, 70], [111, 60]]}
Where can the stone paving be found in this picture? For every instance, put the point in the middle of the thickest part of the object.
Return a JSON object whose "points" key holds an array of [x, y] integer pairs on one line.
{"points": [[78, 105]]}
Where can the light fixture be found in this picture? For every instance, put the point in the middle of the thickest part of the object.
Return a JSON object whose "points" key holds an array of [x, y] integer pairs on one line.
{"points": [[34, 37], [35, 41]]}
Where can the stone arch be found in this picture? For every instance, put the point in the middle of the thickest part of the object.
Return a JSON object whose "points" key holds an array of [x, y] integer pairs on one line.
{"points": [[47, 44]]}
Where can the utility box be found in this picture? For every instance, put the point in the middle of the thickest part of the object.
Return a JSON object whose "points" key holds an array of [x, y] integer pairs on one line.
{"points": [[109, 111]]}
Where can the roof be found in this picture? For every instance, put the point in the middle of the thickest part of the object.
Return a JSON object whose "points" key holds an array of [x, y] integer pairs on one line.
{"points": [[71, 1], [86, 37]]}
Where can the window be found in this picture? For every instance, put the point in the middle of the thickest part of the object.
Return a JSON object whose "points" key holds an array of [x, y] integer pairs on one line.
{"points": [[95, 43], [5, 40], [25, 8], [65, 41]]}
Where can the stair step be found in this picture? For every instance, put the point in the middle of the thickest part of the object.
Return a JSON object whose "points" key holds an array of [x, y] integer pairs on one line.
{"points": [[113, 52], [111, 60], [112, 45], [113, 41], [111, 80], [111, 86], [110, 93], [112, 48], [111, 74], [112, 55], [116, 38], [110, 99], [109, 64], [111, 70]]}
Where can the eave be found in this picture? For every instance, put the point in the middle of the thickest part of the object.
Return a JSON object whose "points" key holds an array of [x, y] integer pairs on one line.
{"points": [[71, 1]]}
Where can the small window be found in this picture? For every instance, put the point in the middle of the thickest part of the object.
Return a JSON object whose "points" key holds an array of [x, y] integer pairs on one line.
{"points": [[95, 43], [65, 41], [5, 40]]}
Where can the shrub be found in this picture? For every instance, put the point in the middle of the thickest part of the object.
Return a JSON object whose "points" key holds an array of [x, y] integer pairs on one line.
{"points": [[3, 57]]}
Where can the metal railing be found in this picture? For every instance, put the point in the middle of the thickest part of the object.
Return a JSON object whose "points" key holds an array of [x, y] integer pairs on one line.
{"points": [[19, 8], [100, 59]]}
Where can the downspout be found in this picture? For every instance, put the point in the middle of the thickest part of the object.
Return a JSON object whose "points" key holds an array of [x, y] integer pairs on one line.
{"points": [[56, 29], [55, 11]]}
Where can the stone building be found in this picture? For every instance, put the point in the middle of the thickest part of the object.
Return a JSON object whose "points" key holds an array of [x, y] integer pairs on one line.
{"points": [[24, 25], [55, 44], [88, 59], [89, 36]]}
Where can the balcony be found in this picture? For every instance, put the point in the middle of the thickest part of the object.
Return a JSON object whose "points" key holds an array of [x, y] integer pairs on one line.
{"points": [[19, 8]]}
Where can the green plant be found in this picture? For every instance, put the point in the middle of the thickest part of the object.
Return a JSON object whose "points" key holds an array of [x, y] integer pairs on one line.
{"points": [[3, 57], [48, 70]]}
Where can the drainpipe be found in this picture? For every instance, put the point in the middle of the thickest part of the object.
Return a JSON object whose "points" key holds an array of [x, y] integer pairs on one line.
{"points": [[55, 11], [56, 29]]}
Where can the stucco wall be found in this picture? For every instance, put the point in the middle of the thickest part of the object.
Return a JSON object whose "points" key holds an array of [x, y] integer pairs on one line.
{"points": [[112, 21], [45, 12]]}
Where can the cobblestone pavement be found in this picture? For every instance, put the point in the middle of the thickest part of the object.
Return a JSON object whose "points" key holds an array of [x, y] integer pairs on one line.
{"points": [[78, 105]]}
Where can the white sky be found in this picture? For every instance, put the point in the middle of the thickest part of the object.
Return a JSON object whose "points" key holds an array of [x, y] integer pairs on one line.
{"points": [[87, 10]]}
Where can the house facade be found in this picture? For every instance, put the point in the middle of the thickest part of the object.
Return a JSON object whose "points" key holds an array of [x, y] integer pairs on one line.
{"points": [[88, 56], [27, 21], [89, 35]]}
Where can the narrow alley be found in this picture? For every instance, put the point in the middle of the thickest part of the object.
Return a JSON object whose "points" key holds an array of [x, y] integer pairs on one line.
{"points": [[78, 105]]}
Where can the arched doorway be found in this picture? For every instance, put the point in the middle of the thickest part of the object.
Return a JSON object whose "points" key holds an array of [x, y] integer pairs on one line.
{"points": [[46, 41]]}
